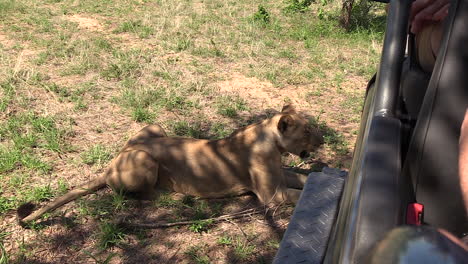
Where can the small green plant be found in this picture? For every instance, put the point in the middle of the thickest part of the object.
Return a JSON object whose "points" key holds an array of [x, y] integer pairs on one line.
{"points": [[243, 249], [62, 186], [183, 43], [110, 235], [195, 254], [262, 15], [97, 154], [118, 201], [4, 259], [200, 226], [136, 27], [225, 241], [142, 115], [3, 254], [295, 6]]}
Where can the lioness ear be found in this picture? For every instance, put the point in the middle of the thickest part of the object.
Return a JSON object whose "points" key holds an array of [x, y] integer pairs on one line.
{"points": [[285, 122], [289, 109]]}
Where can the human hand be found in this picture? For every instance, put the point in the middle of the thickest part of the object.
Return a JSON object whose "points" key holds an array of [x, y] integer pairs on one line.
{"points": [[424, 12]]}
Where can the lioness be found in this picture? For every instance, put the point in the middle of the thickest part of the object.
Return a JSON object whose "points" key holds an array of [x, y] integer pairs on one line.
{"points": [[248, 160]]}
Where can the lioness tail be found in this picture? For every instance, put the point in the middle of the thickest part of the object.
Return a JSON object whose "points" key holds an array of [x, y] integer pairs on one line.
{"points": [[84, 189]]}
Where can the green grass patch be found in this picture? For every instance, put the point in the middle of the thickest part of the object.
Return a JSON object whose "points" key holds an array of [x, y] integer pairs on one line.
{"points": [[28, 130], [12, 159], [24, 192], [125, 64], [136, 27], [165, 200], [8, 90], [40, 193], [200, 226], [262, 15], [4, 258], [145, 102], [334, 139], [243, 249], [110, 235], [97, 154], [184, 128], [196, 254], [220, 130], [229, 106], [225, 240], [297, 6], [144, 115]]}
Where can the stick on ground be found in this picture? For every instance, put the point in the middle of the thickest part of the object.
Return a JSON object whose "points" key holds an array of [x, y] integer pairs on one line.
{"points": [[226, 217]]}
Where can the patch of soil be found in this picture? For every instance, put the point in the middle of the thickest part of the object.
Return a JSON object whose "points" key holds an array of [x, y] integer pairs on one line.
{"points": [[261, 94], [86, 22], [5, 42]]}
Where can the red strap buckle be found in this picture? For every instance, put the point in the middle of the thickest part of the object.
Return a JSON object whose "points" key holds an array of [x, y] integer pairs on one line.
{"points": [[414, 214]]}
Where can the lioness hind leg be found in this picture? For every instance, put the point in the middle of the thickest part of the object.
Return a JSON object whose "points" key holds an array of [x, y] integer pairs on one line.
{"points": [[133, 171], [150, 131], [294, 180]]}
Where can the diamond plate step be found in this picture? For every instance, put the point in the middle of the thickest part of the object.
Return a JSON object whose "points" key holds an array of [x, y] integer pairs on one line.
{"points": [[306, 237]]}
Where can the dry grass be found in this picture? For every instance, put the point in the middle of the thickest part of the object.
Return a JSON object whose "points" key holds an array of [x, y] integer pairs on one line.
{"points": [[77, 78]]}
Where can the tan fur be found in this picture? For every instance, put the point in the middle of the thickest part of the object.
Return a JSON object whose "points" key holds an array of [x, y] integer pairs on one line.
{"points": [[248, 160]]}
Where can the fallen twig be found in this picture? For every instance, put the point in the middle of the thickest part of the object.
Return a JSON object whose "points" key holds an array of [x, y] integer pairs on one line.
{"points": [[226, 217], [234, 223]]}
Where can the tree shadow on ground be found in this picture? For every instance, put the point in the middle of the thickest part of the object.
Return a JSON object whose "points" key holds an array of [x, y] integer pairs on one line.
{"points": [[138, 246]]}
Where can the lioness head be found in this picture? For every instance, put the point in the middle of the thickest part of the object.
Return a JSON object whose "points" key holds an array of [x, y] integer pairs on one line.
{"points": [[298, 136]]}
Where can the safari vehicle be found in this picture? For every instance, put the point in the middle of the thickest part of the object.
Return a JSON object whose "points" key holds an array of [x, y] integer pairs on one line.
{"points": [[405, 162]]}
